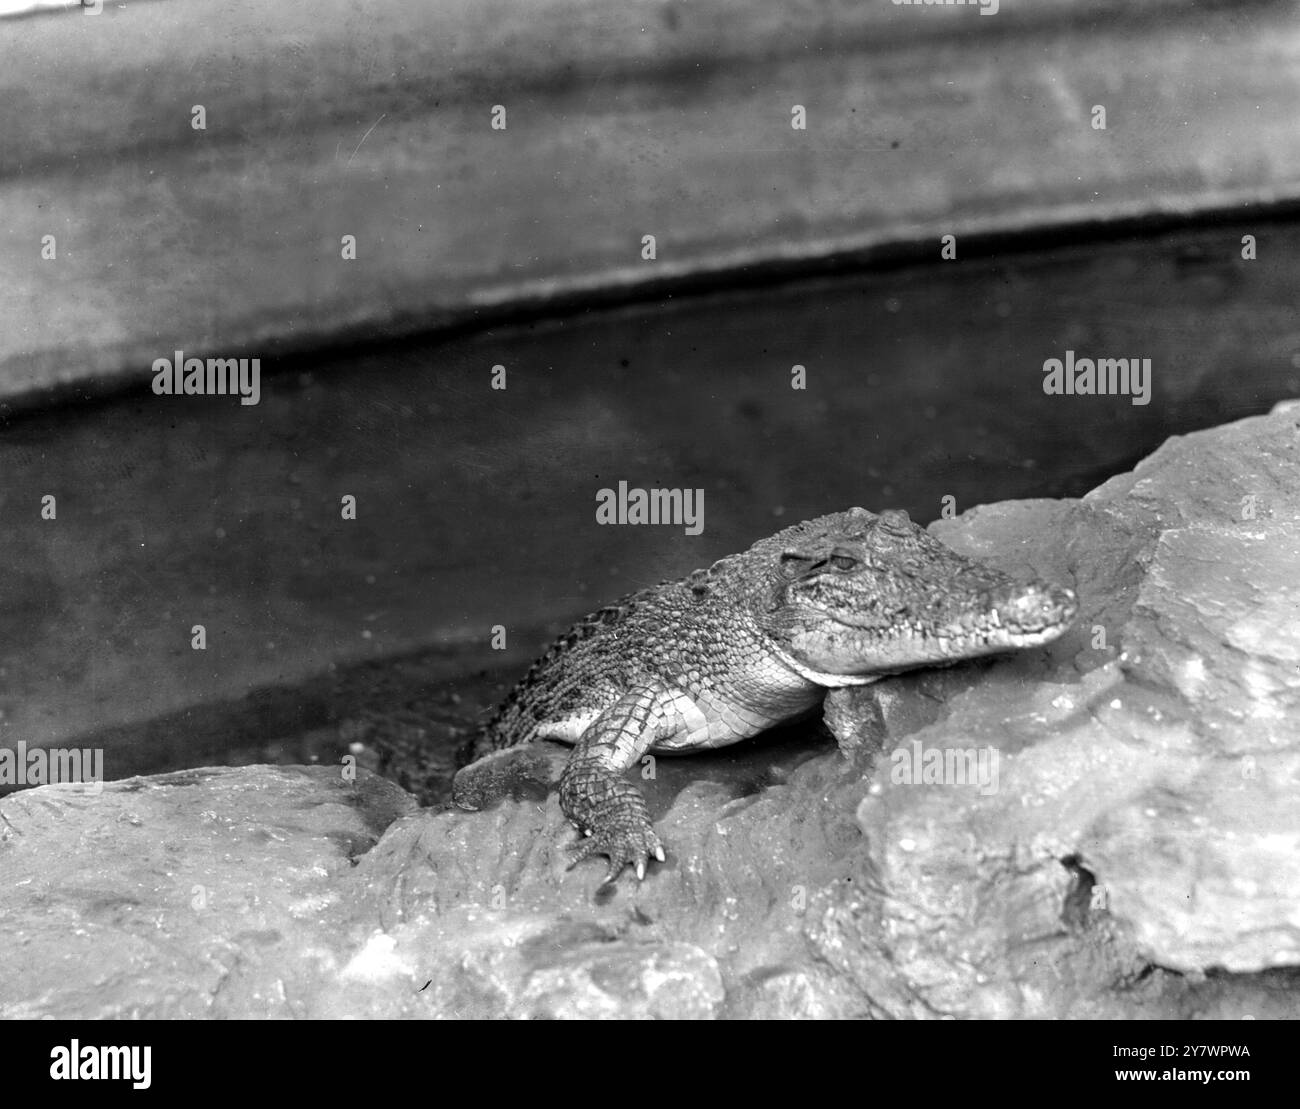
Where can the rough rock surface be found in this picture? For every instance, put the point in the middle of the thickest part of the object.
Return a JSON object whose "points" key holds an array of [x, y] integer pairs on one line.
{"points": [[1109, 827], [198, 893]]}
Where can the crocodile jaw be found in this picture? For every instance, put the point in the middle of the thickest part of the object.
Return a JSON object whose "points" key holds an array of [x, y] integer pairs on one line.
{"points": [[1012, 617]]}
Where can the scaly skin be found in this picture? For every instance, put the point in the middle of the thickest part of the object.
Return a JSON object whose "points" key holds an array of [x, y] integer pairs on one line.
{"points": [[755, 640]]}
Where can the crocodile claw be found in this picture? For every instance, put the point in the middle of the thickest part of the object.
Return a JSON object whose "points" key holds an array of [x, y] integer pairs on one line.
{"points": [[626, 845]]}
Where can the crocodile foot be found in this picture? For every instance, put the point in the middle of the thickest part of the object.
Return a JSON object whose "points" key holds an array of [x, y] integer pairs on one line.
{"points": [[626, 837]]}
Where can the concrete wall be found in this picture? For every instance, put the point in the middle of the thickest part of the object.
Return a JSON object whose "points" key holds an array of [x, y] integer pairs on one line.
{"points": [[661, 118]]}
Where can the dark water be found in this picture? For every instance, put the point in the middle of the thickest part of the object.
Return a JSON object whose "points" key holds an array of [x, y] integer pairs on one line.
{"points": [[476, 506]]}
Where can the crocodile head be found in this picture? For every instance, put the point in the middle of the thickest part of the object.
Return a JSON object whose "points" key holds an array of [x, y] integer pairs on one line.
{"points": [[854, 595]]}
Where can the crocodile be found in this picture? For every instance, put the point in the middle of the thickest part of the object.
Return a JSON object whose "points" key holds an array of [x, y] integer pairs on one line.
{"points": [[755, 640]]}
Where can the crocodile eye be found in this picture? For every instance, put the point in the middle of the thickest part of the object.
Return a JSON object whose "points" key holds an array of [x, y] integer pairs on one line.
{"points": [[843, 562], [796, 564]]}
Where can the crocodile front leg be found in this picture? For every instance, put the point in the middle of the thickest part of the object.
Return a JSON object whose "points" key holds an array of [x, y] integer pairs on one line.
{"points": [[595, 796]]}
